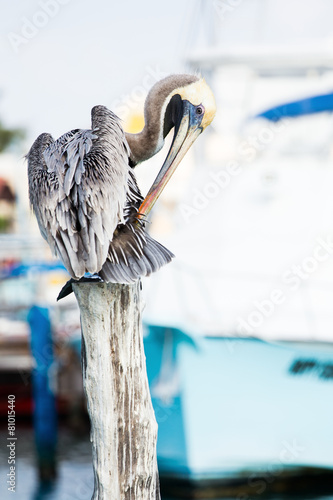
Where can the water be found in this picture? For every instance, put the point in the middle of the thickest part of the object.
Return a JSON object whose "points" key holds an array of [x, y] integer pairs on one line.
{"points": [[75, 474]]}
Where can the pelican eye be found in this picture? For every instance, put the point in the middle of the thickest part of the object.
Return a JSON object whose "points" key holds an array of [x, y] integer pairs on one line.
{"points": [[200, 110]]}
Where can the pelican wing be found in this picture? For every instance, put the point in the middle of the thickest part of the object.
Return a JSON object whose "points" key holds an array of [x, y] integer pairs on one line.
{"points": [[133, 252], [78, 189], [43, 188]]}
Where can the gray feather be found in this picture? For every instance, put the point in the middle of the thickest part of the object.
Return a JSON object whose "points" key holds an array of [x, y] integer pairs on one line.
{"points": [[86, 198]]}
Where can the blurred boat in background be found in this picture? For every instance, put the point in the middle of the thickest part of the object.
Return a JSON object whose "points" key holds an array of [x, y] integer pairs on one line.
{"points": [[239, 414], [239, 327]]}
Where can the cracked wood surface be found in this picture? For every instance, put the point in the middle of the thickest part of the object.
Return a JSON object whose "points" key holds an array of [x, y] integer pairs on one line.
{"points": [[123, 424]]}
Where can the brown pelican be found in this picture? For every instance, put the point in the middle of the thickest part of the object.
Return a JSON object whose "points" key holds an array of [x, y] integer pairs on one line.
{"points": [[83, 190]]}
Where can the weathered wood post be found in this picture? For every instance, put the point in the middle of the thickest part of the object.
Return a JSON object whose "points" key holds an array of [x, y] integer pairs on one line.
{"points": [[123, 425]]}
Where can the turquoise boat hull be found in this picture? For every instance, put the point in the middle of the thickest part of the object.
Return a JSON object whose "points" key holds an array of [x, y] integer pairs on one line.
{"points": [[226, 407]]}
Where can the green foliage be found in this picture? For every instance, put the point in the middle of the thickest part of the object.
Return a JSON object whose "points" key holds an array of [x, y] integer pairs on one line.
{"points": [[9, 137], [5, 223]]}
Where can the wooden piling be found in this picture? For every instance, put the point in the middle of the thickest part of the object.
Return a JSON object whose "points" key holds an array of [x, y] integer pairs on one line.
{"points": [[123, 425]]}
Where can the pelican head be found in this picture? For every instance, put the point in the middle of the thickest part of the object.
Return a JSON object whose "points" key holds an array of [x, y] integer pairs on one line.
{"points": [[185, 103]]}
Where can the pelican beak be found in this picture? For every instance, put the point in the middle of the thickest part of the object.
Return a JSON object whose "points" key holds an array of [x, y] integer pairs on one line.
{"points": [[186, 131]]}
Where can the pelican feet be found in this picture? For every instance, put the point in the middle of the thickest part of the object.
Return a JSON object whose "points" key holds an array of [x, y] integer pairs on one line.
{"points": [[67, 288]]}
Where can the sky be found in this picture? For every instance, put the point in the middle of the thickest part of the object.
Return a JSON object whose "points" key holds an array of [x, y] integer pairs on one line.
{"points": [[62, 57]]}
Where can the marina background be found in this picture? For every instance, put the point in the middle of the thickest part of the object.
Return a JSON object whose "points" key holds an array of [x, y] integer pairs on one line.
{"points": [[245, 352]]}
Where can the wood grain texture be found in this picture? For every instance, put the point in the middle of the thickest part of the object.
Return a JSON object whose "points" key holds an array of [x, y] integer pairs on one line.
{"points": [[123, 424]]}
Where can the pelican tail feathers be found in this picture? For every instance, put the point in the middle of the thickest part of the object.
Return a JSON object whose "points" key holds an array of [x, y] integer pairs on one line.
{"points": [[133, 253]]}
